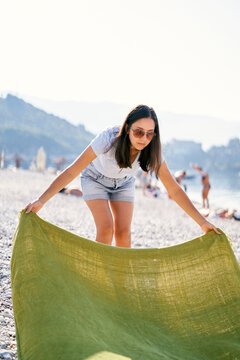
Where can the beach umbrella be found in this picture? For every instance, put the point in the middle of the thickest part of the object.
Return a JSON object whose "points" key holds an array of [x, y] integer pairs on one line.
{"points": [[41, 159], [17, 158], [59, 162], [2, 159]]}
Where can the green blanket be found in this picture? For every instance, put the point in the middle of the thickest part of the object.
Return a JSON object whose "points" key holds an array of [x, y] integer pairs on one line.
{"points": [[77, 299]]}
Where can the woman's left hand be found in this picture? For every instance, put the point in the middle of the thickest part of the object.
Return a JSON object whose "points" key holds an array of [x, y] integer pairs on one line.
{"points": [[207, 226]]}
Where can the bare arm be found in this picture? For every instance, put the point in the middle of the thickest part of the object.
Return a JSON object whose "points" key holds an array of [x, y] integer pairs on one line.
{"points": [[180, 197], [70, 173], [195, 167]]}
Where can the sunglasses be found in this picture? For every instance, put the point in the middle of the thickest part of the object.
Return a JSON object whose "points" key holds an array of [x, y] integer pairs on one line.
{"points": [[138, 133]]}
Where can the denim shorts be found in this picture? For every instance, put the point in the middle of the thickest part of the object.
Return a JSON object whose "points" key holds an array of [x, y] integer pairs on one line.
{"points": [[97, 186]]}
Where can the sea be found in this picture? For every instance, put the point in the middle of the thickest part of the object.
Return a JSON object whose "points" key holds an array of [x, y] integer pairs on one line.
{"points": [[224, 192]]}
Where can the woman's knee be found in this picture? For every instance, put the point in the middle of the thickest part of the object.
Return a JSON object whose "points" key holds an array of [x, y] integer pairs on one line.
{"points": [[105, 232], [122, 232], [123, 237]]}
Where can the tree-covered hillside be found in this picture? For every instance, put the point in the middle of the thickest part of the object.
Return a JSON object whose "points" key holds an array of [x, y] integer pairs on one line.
{"points": [[218, 159], [24, 128]]}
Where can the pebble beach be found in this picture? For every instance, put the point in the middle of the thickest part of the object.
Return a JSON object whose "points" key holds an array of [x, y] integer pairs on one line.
{"points": [[157, 222]]}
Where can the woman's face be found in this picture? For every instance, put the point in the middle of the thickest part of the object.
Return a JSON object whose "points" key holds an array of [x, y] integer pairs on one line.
{"points": [[147, 126]]}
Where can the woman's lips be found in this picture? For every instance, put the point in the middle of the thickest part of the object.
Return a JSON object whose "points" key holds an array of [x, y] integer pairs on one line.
{"points": [[141, 144]]}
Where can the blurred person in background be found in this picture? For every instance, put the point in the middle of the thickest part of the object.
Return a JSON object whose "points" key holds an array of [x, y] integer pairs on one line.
{"points": [[205, 183]]}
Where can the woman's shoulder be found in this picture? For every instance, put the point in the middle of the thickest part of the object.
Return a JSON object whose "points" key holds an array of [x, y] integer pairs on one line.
{"points": [[112, 131], [109, 132], [104, 139]]}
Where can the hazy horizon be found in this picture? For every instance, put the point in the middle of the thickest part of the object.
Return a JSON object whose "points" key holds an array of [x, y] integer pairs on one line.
{"points": [[97, 116]]}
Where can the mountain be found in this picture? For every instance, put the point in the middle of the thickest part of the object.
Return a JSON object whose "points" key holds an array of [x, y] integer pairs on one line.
{"points": [[207, 130], [24, 128], [180, 153], [223, 159]]}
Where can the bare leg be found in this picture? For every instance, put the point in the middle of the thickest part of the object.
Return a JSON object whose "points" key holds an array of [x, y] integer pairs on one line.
{"points": [[144, 189], [205, 196], [103, 220], [123, 212], [203, 200], [207, 202]]}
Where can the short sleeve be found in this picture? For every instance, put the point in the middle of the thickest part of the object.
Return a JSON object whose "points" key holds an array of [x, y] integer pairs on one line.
{"points": [[103, 141]]}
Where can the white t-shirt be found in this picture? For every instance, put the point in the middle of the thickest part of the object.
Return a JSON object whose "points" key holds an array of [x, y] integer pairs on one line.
{"points": [[105, 162]]}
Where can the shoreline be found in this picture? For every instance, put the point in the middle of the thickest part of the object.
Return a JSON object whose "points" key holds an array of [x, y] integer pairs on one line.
{"points": [[216, 202]]}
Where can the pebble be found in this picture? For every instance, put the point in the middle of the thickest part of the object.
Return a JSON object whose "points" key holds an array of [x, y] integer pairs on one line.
{"points": [[6, 355]]}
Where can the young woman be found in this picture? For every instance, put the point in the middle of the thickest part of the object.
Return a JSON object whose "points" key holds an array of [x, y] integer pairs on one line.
{"points": [[205, 183], [108, 166]]}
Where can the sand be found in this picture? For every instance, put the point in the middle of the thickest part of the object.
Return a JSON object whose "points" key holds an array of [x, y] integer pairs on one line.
{"points": [[157, 222]]}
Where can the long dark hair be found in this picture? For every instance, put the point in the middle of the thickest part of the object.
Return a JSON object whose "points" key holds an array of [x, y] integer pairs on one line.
{"points": [[150, 157]]}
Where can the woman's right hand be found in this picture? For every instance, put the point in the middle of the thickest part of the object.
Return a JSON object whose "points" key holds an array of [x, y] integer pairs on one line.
{"points": [[34, 206]]}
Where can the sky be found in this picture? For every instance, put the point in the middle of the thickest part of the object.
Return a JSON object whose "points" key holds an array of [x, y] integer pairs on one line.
{"points": [[177, 56]]}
